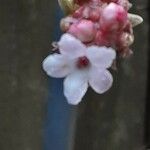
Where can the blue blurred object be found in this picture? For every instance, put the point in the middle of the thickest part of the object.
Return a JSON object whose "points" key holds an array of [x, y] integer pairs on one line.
{"points": [[59, 124]]}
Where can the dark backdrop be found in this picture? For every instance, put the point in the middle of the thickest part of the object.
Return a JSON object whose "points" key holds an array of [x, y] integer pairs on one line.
{"points": [[113, 121]]}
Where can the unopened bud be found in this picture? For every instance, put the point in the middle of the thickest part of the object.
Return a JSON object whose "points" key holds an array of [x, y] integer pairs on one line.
{"points": [[84, 30], [113, 17]]}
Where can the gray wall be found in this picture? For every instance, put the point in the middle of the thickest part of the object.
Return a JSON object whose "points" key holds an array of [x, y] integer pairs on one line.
{"points": [[26, 28], [113, 121]]}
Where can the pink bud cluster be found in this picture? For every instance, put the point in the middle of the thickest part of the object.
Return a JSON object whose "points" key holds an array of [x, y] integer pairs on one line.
{"points": [[102, 23]]}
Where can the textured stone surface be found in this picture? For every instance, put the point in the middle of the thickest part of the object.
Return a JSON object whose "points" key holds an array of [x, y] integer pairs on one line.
{"points": [[26, 28]]}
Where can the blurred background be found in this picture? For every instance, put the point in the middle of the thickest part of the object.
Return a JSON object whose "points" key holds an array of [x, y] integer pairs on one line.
{"points": [[34, 114]]}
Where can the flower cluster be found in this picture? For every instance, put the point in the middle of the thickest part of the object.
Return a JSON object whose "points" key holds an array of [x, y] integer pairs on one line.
{"points": [[96, 31], [103, 23]]}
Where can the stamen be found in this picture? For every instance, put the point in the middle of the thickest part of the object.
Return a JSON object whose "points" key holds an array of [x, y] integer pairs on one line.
{"points": [[83, 62]]}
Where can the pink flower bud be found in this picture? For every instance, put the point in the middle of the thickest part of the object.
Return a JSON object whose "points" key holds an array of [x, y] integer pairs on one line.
{"points": [[94, 15], [78, 12], [113, 17], [84, 30], [125, 4], [125, 39], [66, 22], [102, 39], [64, 25], [86, 12]]}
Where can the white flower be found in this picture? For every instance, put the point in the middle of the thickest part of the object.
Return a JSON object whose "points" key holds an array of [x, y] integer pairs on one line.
{"points": [[82, 66]]}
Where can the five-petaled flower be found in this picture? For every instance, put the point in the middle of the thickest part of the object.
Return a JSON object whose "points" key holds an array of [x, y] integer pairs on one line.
{"points": [[82, 66]]}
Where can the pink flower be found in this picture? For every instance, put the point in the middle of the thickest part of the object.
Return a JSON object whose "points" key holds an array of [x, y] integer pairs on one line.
{"points": [[84, 30], [113, 17], [124, 3], [82, 66]]}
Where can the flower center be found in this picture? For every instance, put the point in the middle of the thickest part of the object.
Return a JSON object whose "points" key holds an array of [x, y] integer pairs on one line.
{"points": [[83, 62]]}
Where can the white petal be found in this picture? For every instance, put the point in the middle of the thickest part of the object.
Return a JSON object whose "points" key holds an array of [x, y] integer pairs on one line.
{"points": [[56, 65], [75, 87], [102, 57], [100, 80], [135, 19], [71, 46]]}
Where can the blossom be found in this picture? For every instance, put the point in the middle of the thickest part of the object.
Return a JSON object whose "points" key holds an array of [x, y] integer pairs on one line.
{"points": [[82, 66], [113, 17], [94, 31], [83, 30]]}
